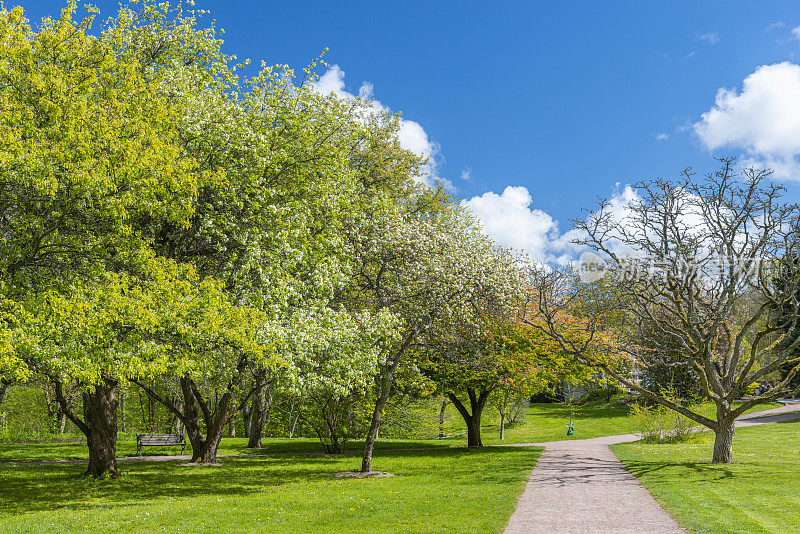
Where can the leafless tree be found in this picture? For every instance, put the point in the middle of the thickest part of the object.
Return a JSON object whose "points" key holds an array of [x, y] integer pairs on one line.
{"points": [[711, 264]]}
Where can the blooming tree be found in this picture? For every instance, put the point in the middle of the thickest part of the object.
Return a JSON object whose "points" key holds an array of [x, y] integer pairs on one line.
{"points": [[711, 264]]}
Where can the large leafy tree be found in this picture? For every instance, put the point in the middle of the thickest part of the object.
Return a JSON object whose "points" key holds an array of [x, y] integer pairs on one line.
{"points": [[86, 147], [283, 171], [426, 262], [121, 327], [470, 364]]}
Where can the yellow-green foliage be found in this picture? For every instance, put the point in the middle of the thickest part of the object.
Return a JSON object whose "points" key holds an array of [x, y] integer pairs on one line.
{"points": [[659, 424], [87, 147]]}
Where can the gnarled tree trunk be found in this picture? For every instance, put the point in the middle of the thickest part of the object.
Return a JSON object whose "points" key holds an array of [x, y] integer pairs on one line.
{"points": [[99, 425], [723, 439], [204, 446], [100, 415], [192, 406]]}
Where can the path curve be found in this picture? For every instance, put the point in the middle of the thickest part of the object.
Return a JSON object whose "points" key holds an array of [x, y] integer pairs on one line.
{"points": [[579, 486]]}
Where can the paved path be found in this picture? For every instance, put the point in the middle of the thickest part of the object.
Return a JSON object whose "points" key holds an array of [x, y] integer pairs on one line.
{"points": [[580, 486]]}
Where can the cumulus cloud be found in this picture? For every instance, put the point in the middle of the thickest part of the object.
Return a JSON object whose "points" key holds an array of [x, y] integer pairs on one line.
{"points": [[511, 220], [466, 174], [508, 219], [763, 119], [412, 135]]}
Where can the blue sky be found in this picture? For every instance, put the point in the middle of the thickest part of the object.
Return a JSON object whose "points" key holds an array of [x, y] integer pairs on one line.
{"points": [[568, 100]]}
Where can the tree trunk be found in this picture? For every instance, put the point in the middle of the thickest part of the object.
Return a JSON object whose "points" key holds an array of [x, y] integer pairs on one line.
{"points": [[99, 425], [335, 447], [502, 426], [215, 426], [122, 408], [473, 419], [191, 405], [246, 419], [474, 432], [63, 423], [380, 403], [100, 422], [208, 453], [375, 422], [3, 387], [445, 402], [293, 422], [723, 440], [191, 419], [258, 415]]}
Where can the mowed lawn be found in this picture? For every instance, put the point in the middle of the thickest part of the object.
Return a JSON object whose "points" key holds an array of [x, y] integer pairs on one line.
{"points": [[435, 490], [758, 492], [543, 422], [547, 422]]}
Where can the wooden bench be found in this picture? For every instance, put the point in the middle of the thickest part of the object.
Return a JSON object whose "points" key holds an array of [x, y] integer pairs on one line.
{"points": [[159, 440]]}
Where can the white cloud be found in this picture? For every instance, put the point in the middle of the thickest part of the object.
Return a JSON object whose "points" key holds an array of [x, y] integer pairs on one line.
{"points": [[661, 136], [466, 174], [412, 135], [510, 219], [796, 33], [763, 120], [711, 37]]}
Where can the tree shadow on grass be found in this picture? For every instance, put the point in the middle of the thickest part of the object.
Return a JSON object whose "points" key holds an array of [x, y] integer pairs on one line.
{"points": [[665, 470], [26, 489]]}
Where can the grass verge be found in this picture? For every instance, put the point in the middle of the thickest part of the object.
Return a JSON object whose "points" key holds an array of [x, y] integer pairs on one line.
{"points": [[755, 493]]}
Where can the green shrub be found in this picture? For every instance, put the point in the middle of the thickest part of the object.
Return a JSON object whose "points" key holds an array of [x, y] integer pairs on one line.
{"points": [[659, 424]]}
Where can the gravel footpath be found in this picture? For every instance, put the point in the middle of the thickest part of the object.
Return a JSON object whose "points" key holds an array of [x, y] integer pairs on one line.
{"points": [[580, 486]]}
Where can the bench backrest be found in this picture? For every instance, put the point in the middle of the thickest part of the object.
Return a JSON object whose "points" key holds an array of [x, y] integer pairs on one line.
{"points": [[160, 439]]}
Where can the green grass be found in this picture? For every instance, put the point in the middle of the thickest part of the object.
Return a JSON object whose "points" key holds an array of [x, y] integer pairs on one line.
{"points": [[435, 490], [547, 422], [544, 422], [757, 492]]}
